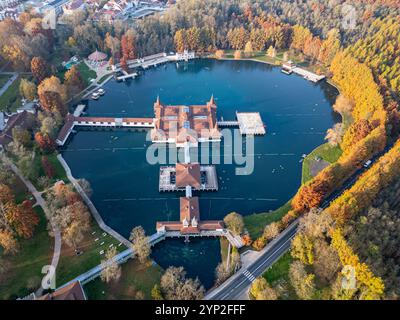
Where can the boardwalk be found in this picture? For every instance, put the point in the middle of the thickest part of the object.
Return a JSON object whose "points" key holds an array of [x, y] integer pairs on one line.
{"points": [[120, 258]]}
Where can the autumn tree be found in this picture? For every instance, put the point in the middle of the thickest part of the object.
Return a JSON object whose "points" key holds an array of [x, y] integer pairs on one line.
{"points": [[124, 64], [219, 54], [48, 167], [49, 127], [44, 142], [53, 95], [180, 40], [73, 81], [86, 187], [300, 37], [238, 38], [271, 52], [23, 219], [258, 39], [248, 49], [355, 133], [193, 39], [39, 69], [335, 134], [28, 89], [311, 194], [73, 221], [8, 241], [234, 222], [343, 105], [302, 282], [128, 46], [22, 136], [237, 55], [156, 293], [260, 290], [140, 244], [330, 46], [175, 286], [114, 44], [326, 261], [271, 231], [111, 270]]}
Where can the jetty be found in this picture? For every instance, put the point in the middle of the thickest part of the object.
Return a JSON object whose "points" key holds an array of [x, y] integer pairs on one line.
{"points": [[73, 121], [289, 68]]}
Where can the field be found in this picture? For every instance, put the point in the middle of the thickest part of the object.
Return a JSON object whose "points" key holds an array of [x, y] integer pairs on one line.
{"points": [[325, 152], [136, 282], [3, 79], [256, 223], [10, 100], [72, 265], [25, 274], [278, 276]]}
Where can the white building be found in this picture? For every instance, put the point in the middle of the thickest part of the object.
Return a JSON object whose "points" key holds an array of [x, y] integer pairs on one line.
{"points": [[185, 55]]}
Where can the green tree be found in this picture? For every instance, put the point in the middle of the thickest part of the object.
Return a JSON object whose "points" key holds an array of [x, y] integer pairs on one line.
{"points": [[28, 89], [140, 243], [234, 222]]}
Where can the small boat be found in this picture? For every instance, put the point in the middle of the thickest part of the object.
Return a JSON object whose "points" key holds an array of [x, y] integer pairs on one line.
{"points": [[95, 96], [101, 91]]}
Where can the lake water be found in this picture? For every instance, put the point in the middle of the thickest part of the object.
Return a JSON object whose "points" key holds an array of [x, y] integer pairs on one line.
{"points": [[297, 114]]}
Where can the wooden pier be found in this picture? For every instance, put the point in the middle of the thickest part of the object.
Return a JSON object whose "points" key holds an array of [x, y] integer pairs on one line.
{"points": [[100, 122]]}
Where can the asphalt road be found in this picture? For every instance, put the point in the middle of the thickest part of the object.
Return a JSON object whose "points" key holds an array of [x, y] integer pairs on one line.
{"points": [[236, 287]]}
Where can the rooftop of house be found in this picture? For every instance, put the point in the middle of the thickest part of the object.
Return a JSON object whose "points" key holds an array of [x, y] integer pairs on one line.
{"points": [[183, 122], [188, 174], [73, 291], [21, 119], [189, 209]]}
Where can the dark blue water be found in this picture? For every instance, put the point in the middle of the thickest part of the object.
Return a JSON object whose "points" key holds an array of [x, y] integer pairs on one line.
{"points": [[297, 114]]}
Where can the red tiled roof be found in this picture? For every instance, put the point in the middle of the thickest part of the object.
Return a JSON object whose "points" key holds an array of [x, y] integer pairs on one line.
{"points": [[16, 120], [189, 209], [97, 56], [191, 121], [188, 175], [74, 291], [69, 123]]}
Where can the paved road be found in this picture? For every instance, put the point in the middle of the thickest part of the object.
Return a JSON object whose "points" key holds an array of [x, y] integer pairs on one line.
{"points": [[236, 287], [8, 83], [40, 201]]}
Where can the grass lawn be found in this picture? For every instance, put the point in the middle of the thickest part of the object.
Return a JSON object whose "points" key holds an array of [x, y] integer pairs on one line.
{"points": [[60, 173], [10, 100], [3, 79], [26, 265], [20, 191], [72, 265], [278, 275], [327, 152], [85, 72], [136, 277], [256, 223], [224, 248]]}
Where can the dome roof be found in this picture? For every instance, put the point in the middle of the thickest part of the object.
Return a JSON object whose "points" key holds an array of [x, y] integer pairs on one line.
{"points": [[97, 56]]}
